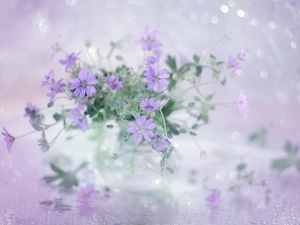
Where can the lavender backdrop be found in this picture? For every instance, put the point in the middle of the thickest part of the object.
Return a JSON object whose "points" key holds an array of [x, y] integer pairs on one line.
{"points": [[268, 30]]}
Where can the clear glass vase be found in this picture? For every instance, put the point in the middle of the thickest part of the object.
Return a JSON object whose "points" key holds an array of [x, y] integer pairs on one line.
{"points": [[137, 170]]}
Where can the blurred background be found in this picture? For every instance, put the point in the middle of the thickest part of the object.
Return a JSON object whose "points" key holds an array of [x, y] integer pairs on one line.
{"points": [[268, 30]]}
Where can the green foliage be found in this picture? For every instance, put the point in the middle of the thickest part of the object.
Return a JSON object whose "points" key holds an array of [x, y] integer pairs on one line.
{"points": [[291, 159], [171, 62], [68, 180], [259, 137]]}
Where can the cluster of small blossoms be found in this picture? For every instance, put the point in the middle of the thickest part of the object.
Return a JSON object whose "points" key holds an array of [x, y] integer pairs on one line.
{"points": [[139, 102], [157, 80], [233, 63]]}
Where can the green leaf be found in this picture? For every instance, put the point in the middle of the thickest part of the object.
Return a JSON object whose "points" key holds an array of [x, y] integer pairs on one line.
{"points": [[199, 70], [170, 169], [118, 57], [174, 128], [290, 149], [80, 167], [204, 117], [298, 164], [37, 127], [241, 167], [197, 99], [110, 126], [57, 117], [196, 59], [171, 62], [115, 156], [182, 130], [43, 134], [195, 126], [191, 104], [50, 104], [281, 164], [192, 133], [49, 179], [57, 170], [171, 84], [99, 103]]}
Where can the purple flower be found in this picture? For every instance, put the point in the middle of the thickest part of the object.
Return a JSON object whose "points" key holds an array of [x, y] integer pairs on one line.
{"points": [[235, 65], [142, 127], [87, 194], [152, 60], [157, 80], [70, 60], [214, 197], [8, 138], [83, 85], [56, 88], [149, 105], [32, 112], [54, 48], [232, 61], [160, 143], [114, 83], [148, 40], [241, 105], [213, 200], [242, 55], [49, 79], [79, 119]]}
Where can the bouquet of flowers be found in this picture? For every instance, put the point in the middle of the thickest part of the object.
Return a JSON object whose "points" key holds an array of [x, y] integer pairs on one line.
{"points": [[138, 100]]}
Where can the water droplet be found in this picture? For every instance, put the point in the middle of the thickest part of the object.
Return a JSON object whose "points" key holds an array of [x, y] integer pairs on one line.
{"points": [[224, 8], [272, 25], [254, 22], [293, 44], [240, 13], [264, 74], [231, 3], [214, 20], [260, 53]]}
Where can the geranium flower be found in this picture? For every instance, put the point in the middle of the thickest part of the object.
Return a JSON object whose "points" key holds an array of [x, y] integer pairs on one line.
{"points": [[56, 88], [83, 84], [152, 60], [141, 128], [241, 105], [32, 112], [242, 55], [160, 143], [8, 138], [157, 80], [87, 194], [70, 60], [148, 40], [149, 105], [49, 79], [114, 83], [79, 119]]}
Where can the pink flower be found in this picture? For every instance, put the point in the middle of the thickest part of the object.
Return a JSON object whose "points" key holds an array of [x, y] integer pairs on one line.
{"points": [[87, 194], [241, 105], [242, 55], [8, 138]]}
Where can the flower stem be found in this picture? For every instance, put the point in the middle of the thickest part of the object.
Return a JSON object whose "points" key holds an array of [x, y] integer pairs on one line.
{"points": [[163, 118], [52, 142], [26, 134]]}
